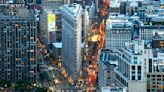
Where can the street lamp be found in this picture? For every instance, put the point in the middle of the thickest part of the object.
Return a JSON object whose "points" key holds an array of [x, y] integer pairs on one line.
{"points": [[34, 84]]}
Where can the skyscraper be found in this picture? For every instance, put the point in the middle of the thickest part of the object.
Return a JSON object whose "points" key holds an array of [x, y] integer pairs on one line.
{"points": [[18, 47], [71, 38]]}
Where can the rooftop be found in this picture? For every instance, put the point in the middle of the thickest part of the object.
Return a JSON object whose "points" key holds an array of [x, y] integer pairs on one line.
{"points": [[57, 44], [151, 27], [120, 21], [104, 56], [113, 89], [52, 5], [122, 25], [114, 3], [156, 51], [73, 8], [88, 2], [133, 3], [17, 10], [158, 19], [147, 44], [135, 47]]}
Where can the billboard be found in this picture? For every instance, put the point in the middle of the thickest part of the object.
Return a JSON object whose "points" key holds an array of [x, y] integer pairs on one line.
{"points": [[51, 22]]}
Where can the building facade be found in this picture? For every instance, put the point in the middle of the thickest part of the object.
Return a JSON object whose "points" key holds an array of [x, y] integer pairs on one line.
{"points": [[18, 47], [118, 32], [114, 89], [155, 76], [71, 38], [103, 70], [155, 82], [130, 71], [50, 22], [147, 32], [85, 24]]}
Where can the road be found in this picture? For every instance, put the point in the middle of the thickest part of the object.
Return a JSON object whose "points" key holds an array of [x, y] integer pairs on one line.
{"points": [[55, 79], [44, 68], [97, 30], [92, 69]]}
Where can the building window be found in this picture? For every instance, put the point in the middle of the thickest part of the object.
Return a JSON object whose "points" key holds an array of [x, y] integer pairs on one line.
{"points": [[158, 75], [150, 65], [139, 77], [133, 67], [133, 77], [135, 62], [139, 68], [135, 58]]}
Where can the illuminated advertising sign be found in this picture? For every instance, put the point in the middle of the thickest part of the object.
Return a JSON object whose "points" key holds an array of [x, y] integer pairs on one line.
{"points": [[158, 44], [51, 22]]}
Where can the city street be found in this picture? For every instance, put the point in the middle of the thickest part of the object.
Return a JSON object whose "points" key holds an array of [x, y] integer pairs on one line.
{"points": [[97, 34], [81, 45], [52, 73], [94, 43], [93, 67]]}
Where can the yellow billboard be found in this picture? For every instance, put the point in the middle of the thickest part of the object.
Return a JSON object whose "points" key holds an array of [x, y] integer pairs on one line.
{"points": [[51, 22]]}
